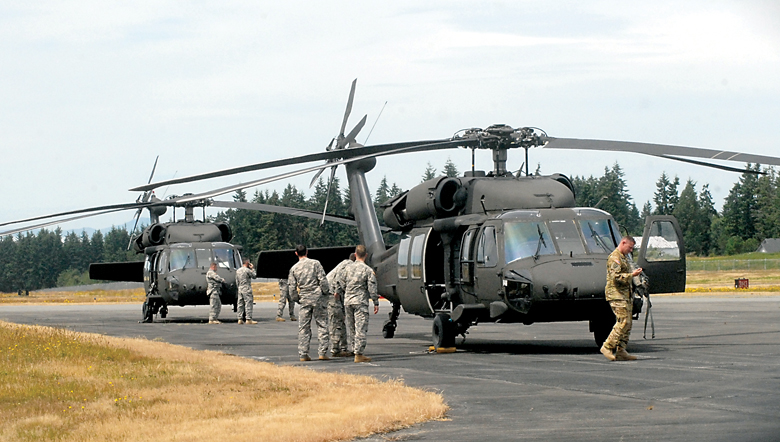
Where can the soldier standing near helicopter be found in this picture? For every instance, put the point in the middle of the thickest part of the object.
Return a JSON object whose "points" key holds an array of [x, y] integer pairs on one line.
{"points": [[359, 285], [618, 294], [340, 338], [285, 297], [309, 276], [214, 290], [245, 299]]}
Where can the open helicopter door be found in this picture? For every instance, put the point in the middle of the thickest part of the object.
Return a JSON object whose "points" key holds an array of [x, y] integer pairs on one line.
{"points": [[421, 272], [662, 254]]}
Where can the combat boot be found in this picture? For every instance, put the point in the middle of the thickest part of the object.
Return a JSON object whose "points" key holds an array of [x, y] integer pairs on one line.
{"points": [[214, 321], [607, 353], [293, 318], [324, 358], [240, 321], [305, 358], [622, 355], [250, 321], [279, 319], [361, 358]]}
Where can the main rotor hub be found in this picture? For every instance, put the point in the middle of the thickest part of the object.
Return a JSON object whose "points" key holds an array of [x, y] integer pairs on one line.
{"points": [[501, 137]]}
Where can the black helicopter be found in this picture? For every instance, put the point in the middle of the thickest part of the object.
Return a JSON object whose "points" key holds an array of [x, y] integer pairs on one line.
{"points": [[489, 246]]}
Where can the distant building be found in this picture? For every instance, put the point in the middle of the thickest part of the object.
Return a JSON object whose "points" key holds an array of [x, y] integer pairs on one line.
{"points": [[770, 245]]}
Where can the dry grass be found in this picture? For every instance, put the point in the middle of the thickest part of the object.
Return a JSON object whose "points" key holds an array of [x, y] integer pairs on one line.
{"points": [[264, 291], [61, 385]]}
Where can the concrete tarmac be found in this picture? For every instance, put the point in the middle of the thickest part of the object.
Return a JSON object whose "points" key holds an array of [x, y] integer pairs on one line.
{"points": [[712, 372]]}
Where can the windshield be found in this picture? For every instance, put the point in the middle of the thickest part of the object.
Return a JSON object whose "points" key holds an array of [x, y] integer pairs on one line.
{"points": [[181, 259], [598, 236], [224, 257], [567, 236], [523, 239]]}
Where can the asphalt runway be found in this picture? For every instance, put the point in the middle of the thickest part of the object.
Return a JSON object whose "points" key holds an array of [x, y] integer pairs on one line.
{"points": [[712, 372]]}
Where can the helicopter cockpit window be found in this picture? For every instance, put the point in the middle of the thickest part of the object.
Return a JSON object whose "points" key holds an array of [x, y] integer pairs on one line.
{"points": [[527, 239], [416, 256], [466, 259], [163, 267], [224, 258], [182, 259], [663, 243], [598, 236], [567, 237], [487, 252], [403, 256], [204, 258]]}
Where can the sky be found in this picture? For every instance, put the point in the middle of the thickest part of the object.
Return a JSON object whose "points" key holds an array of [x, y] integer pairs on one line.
{"points": [[92, 91]]}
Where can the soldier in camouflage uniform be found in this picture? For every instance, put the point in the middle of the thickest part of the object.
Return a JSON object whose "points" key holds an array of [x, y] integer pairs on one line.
{"points": [[309, 276], [359, 285], [618, 294], [339, 336], [245, 299], [285, 297], [214, 290]]}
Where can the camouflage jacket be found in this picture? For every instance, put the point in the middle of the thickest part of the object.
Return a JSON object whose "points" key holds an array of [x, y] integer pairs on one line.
{"points": [[359, 284], [308, 276], [244, 277], [214, 283], [335, 278], [618, 277]]}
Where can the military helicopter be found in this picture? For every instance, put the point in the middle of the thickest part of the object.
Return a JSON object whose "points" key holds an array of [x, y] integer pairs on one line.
{"points": [[489, 246], [176, 254]]}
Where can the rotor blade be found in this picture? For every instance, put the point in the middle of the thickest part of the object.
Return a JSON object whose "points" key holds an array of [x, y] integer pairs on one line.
{"points": [[284, 211], [658, 150], [153, 169], [351, 137], [314, 180], [716, 166], [327, 195], [447, 144], [51, 223], [132, 232], [349, 107], [113, 207], [366, 151]]}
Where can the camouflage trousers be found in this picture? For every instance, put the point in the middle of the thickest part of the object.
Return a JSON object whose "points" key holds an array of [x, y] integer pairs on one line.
{"points": [[336, 327], [357, 322], [245, 306], [618, 337], [283, 300], [215, 306], [319, 312]]}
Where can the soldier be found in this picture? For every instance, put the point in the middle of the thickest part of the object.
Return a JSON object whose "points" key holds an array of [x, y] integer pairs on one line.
{"points": [[339, 338], [214, 290], [618, 293], [245, 299], [285, 297], [359, 285], [308, 275]]}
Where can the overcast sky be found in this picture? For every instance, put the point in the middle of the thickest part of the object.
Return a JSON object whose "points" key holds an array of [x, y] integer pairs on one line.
{"points": [[92, 91]]}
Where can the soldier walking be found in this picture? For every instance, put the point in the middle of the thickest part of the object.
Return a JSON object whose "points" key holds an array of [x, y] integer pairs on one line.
{"points": [[618, 294], [359, 285], [285, 297], [246, 298], [214, 291], [339, 336], [309, 276]]}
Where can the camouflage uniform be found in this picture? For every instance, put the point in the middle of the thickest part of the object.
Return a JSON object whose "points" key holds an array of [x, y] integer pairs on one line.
{"points": [[339, 335], [309, 276], [285, 298], [359, 285], [618, 294], [214, 290], [246, 298]]}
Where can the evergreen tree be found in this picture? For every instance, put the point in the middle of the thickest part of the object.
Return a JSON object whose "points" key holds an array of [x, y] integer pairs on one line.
{"points": [[450, 169], [429, 174], [665, 196], [647, 210]]}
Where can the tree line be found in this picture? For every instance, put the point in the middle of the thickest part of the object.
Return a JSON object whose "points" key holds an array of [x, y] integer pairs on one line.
{"points": [[751, 213]]}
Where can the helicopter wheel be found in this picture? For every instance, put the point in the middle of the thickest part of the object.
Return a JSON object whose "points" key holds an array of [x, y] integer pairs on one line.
{"points": [[147, 312], [388, 329], [444, 331]]}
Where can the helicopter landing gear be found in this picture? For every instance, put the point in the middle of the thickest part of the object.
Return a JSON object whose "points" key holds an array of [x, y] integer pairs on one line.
{"points": [[147, 312], [164, 311], [388, 328], [444, 331]]}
